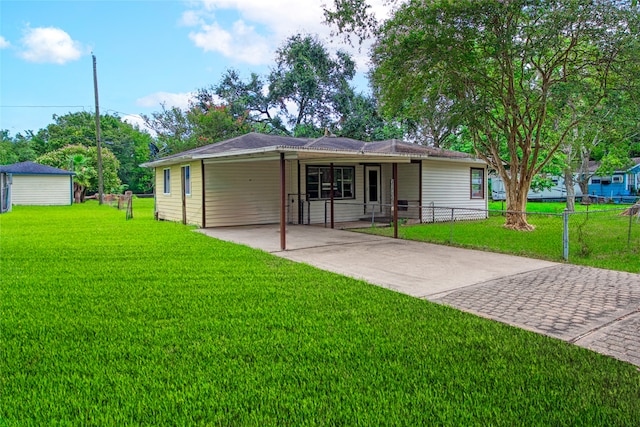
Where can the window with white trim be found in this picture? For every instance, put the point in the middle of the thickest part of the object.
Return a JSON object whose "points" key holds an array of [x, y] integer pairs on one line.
{"points": [[167, 181], [477, 183], [319, 182]]}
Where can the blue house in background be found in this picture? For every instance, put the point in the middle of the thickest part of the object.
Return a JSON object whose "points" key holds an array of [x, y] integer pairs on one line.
{"points": [[623, 183]]}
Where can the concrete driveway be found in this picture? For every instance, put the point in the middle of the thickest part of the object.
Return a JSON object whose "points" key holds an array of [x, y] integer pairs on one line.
{"points": [[595, 308], [417, 269]]}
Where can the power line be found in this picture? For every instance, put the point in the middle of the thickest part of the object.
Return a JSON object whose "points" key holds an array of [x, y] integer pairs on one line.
{"points": [[44, 106]]}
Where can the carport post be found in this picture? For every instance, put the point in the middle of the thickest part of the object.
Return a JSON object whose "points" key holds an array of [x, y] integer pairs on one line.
{"points": [[283, 229], [331, 195], [395, 200]]}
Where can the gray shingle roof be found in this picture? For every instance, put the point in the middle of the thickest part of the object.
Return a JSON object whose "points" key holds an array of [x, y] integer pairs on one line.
{"points": [[256, 141], [31, 168]]}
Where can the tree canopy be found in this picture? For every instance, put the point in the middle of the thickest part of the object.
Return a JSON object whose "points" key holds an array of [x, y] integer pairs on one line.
{"points": [[511, 69], [129, 145], [84, 162]]}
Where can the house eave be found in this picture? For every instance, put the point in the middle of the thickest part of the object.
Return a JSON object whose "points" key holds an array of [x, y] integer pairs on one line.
{"points": [[307, 153]]}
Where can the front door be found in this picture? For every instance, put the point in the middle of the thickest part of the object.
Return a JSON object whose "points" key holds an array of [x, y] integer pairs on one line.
{"points": [[372, 189]]}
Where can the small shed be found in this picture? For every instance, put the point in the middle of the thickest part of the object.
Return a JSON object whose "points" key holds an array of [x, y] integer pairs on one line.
{"points": [[30, 183]]}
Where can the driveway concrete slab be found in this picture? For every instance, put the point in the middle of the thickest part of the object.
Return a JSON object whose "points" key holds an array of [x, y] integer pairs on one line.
{"points": [[414, 268]]}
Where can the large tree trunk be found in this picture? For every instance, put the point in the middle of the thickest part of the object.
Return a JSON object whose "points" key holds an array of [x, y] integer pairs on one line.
{"points": [[516, 193], [78, 193], [571, 191]]}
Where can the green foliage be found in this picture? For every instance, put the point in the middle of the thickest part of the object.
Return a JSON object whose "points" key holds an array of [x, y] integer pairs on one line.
{"points": [[86, 159], [15, 149], [307, 76], [359, 118], [305, 95], [247, 101], [156, 325], [129, 145], [215, 123], [509, 71], [202, 124]]}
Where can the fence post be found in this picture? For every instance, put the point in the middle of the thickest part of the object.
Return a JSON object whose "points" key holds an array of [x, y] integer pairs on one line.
{"points": [[451, 228], [565, 235], [630, 224]]}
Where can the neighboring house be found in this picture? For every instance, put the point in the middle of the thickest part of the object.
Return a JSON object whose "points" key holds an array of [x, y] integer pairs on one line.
{"points": [[620, 184], [267, 179], [29, 183], [557, 191]]}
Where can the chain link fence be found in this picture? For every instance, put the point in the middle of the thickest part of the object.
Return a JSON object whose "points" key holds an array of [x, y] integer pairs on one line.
{"points": [[597, 232]]}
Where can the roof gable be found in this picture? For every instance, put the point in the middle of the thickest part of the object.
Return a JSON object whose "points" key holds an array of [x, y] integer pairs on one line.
{"points": [[31, 168]]}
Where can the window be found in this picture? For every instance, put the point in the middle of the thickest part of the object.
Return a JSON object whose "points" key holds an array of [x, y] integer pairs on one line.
{"points": [[167, 181], [618, 179], [319, 186], [187, 180], [477, 183], [595, 180]]}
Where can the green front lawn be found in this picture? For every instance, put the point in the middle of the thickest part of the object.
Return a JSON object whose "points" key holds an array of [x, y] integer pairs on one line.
{"points": [[105, 321]]}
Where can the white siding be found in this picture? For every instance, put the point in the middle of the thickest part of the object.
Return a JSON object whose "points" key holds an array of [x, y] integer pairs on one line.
{"points": [[448, 184], [242, 193], [409, 189], [41, 190], [169, 206]]}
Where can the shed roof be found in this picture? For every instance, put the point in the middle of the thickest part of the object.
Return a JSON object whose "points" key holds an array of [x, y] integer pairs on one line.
{"points": [[252, 144], [31, 168]]}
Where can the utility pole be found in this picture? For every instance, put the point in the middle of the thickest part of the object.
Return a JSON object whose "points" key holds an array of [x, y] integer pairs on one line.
{"points": [[95, 89]]}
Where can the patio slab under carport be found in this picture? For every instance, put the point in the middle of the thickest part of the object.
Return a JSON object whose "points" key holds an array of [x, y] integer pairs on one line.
{"points": [[418, 269]]}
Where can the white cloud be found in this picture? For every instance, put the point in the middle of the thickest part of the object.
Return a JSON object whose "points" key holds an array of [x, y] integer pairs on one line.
{"points": [[50, 45], [180, 100], [275, 19], [4, 43], [242, 42], [138, 122]]}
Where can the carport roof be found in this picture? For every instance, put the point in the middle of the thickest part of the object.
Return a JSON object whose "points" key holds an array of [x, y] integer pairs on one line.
{"points": [[31, 168], [257, 144]]}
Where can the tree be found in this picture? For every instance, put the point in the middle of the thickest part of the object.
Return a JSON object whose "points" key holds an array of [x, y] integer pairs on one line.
{"points": [[307, 79], [249, 101], [126, 142], [201, 124], [510, 68], [359, 119], [15, 149], [213, 123], [84, 162]]}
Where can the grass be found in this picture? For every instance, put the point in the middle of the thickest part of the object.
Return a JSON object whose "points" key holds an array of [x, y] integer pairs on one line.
{"points": [[111, 322], [599, 239]]}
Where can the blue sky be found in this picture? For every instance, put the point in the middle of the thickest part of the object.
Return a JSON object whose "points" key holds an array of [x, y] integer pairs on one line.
{"points": [[147, 52]]}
